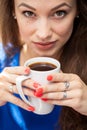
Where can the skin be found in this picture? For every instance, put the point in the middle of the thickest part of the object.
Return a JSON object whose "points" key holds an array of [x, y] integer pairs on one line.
{"points": [[44, 33], [54, 24]]}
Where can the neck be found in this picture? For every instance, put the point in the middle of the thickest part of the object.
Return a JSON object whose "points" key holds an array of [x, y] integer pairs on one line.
{"points": [[26, 54]]}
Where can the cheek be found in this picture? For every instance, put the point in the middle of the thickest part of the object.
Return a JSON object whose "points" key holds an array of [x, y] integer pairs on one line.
{"points": [[64, 30], [25, 31]]}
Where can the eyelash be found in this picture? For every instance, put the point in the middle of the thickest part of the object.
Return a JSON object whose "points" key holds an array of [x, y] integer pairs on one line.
{"points": [[28, 14], [60, 14]]}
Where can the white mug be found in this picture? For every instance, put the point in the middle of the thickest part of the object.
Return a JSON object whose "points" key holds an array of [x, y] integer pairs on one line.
{"points": [[41, 107]]}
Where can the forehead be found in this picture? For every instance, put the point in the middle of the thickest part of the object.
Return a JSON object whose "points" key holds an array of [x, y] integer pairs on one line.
{"points": [[44, 3]]}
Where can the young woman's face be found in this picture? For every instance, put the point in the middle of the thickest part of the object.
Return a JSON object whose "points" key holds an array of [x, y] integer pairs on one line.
{"points": [[45, 25]]}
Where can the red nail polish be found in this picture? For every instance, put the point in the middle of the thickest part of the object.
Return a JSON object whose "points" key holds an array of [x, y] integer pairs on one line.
{"points": [[36, 85], [31, 108], [27, 70], [50, 77], [38, 92], [44, 99]]}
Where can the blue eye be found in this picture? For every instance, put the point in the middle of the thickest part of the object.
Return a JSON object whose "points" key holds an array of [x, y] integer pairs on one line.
{"points": [[28, 13]]}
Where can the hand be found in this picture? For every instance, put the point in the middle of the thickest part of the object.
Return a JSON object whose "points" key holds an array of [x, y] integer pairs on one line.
{"points": [[74, 95], [8, 86]]}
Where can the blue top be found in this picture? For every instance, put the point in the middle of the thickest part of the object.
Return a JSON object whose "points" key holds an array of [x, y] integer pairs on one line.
{"points": [[13, 117]]}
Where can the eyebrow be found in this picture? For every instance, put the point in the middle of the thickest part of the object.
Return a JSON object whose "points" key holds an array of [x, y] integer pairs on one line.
{"points": [[61, 5], [58, 6], [25, 5]]}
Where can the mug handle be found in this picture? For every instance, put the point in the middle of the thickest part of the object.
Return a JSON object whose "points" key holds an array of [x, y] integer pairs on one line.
{"points": [[19, 81]]}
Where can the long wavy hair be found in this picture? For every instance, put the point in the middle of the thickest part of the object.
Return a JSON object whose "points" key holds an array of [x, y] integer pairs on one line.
{"points": [[9, 29], [73, 58]]}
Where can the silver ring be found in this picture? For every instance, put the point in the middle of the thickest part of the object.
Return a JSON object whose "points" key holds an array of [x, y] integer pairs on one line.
{"points": [[11, 88], [64, 95], [67, 85]]}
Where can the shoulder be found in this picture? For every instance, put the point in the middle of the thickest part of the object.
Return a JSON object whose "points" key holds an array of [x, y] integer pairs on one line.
{"points": [[6, 60]]}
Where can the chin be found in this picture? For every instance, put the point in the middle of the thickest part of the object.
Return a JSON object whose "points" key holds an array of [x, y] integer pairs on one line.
{"points": [[44, 53]]}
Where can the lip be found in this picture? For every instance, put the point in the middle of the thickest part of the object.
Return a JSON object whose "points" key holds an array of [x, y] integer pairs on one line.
{"points": [[45, 45]]}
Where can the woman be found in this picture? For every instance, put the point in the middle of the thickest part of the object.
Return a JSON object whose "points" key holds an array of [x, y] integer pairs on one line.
{"points": [[59, 31]]}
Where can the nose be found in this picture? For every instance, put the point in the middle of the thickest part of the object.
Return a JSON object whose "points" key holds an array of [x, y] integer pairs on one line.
{"points": [[44, 31]]}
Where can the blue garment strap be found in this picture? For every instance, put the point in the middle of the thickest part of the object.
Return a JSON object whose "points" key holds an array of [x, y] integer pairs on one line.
{"points": [[17, 116]]}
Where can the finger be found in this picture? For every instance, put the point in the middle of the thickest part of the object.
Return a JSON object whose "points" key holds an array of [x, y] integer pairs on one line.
{"points": [[60, 95], [7, 95], [73, 103], [29, 83], [6, 77], [55, 87], [6, 86], [28, 88], [10, 73], [26, 91], [17, 101], [61, 86], [58, 77], [11, 78], [11, 88], [17, 70], [69, 102]]}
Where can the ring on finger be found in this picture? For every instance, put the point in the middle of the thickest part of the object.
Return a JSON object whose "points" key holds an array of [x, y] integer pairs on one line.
{"points": [[64, 95], [67, 85]]}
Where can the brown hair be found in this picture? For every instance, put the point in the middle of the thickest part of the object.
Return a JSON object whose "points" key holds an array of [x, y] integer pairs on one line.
{"points": [[74, 60], [8, 26], [73, 57]]}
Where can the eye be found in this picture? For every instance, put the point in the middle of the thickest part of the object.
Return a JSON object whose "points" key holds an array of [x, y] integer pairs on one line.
{"points": [[60, 14], [28, 13]]}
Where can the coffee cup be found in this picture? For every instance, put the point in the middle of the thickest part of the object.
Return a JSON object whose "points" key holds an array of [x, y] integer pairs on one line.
{"points": [[40, 68]]}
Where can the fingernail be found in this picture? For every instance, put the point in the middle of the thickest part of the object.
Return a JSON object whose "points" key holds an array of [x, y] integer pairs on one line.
{"points": [[27, 70], [49, 78], [44, 99], [36, 85], [30, 108], [38, 92]]}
